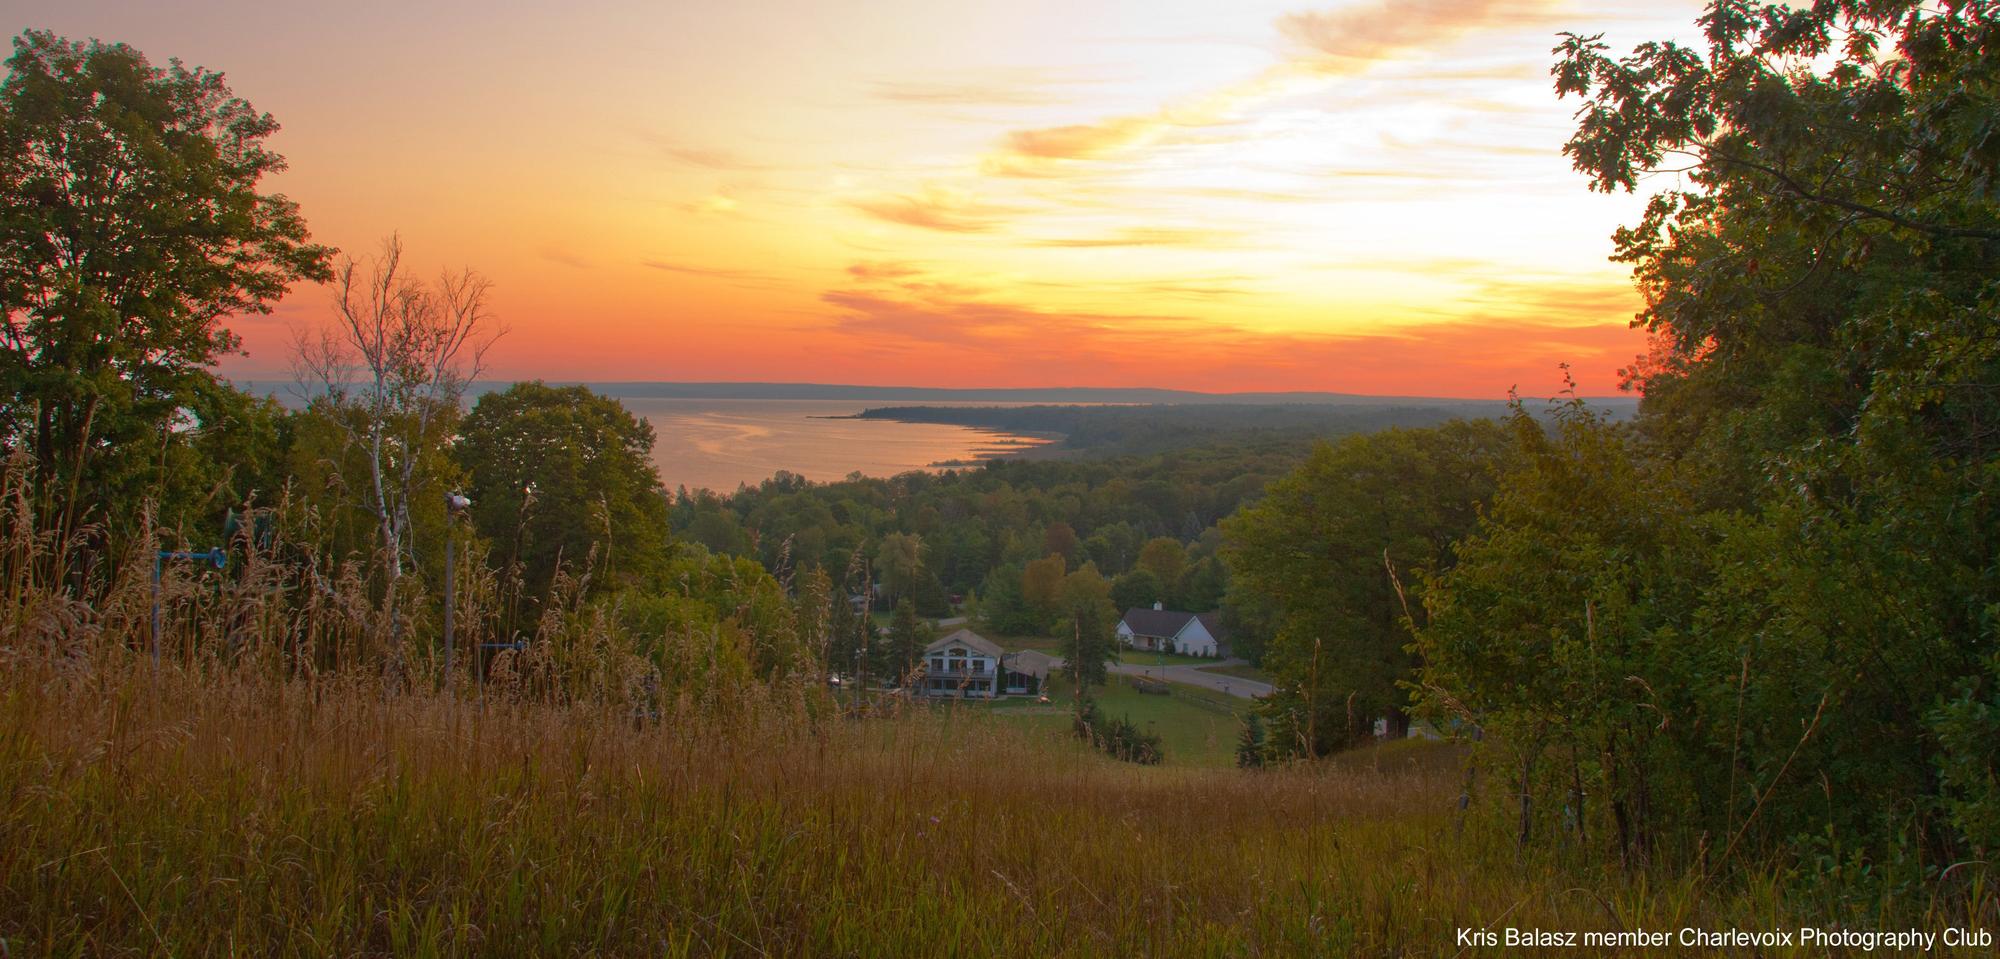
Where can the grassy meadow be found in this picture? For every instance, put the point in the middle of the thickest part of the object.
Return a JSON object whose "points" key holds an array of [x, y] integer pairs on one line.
{"points": [[183, 812], [1197, 727]]}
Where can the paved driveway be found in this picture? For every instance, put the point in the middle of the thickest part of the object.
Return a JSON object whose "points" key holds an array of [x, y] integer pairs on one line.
{"points": [[1197, 676], [1192, 675]]}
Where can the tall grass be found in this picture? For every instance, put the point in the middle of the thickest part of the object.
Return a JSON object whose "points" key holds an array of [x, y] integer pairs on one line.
{"points": [[289, 781], [171, 812]]}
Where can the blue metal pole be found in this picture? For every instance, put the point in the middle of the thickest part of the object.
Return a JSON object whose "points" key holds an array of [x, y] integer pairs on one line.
{"points": [[450, 639], [157, 558]]}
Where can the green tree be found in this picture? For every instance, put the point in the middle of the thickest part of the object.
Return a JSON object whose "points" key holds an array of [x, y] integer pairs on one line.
{"points": [[1565, 630], [1250, 743], [1041, 587], [1166, 559], [1088, 625], [1820, 280], [561, 475], [1338, 551], [1137, 589], [1060, 539], [1003, 609], [904, 645], [131, 227], [900, 564]]}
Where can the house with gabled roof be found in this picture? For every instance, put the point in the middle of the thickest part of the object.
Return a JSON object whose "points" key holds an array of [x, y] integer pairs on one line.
{"points": [[1170, 631], [966, 665], [963, 664]]}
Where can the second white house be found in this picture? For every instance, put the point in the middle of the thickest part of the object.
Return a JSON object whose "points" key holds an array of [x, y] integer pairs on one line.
{"points": [[1170, 631]]}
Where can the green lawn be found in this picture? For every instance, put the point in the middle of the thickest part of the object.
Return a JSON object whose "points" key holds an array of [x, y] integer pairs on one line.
{"points": [[1197, 727]]}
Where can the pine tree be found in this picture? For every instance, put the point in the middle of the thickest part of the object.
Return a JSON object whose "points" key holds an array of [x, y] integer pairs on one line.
{"points": [[1250, 745], [905, 643]]}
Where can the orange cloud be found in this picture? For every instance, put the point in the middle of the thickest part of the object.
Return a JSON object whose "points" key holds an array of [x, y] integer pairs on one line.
{"points": [[1327, 45], [708, 157], [748, 279], [1001, 88], [882, 270], [935, 208], [1350, 38], [1147, 236]]}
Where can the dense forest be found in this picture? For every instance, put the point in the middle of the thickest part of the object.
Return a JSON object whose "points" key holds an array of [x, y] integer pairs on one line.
{"points": [[1153, 428], [1000, 538]]}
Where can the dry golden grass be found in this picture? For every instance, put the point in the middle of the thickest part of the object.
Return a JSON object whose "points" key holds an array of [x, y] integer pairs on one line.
{"points": [[159, 812], [290, 781]]}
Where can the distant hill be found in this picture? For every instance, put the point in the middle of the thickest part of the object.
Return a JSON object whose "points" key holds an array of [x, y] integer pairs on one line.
{"points": [[1618, 406], [1067, 394], [1156, 427]]}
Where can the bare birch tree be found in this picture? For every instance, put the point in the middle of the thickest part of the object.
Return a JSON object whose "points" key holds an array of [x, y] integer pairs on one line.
{"points": [[397, 357]]}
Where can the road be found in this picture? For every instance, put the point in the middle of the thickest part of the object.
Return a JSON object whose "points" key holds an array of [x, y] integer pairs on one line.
{"points": [[1198, 676], [1192, 675]]}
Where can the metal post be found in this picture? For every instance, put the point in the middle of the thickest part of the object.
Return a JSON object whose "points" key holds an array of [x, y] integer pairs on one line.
{"points": [[455, 505], [157, 559], [450, 637]]}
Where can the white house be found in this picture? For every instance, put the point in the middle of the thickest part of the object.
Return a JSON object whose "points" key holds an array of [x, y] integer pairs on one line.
{"points": [[1169, 630], [964, 665]]}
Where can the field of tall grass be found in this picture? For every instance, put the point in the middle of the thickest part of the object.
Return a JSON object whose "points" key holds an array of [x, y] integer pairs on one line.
{"points": [[162, 812], [297, 776]]}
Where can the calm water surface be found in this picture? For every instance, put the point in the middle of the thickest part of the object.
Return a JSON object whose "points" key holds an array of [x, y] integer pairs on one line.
{"points": [[720, 444]]}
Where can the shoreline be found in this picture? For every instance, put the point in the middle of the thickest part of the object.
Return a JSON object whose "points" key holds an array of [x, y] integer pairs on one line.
{"points": [[1010, 445]]}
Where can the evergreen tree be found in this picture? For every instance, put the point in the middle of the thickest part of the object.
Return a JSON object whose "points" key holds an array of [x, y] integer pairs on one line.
{"points": [[1250, 744], [905, 642]]}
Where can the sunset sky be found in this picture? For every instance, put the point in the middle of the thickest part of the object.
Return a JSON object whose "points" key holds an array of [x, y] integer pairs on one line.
{"points": [[1233, 195]]}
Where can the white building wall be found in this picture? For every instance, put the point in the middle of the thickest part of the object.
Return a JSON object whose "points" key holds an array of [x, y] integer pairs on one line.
{"points": [[1195, 640]]}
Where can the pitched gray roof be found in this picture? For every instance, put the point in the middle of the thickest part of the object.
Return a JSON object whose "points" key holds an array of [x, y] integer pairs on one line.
{"points": [[968, 639], [1164, 623], [1029, 661]]}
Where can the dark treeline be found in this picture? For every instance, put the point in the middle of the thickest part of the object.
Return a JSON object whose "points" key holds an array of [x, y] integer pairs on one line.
{"points": [[1103, 430]]}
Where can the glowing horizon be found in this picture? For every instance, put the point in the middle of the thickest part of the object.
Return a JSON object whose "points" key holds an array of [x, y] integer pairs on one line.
{"points": [[1362, 197]]}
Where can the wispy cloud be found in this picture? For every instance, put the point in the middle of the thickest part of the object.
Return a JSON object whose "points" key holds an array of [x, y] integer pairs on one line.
{"points": [[1351, 38], [967, 93], [564, 257], [714, 204], [935, 208], [1147, 236], [882, 270], [1323, 46], [709, 158], [748, 279]]}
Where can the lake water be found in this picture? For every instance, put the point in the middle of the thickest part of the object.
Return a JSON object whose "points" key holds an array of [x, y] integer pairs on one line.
{"points": [[721, 443]]}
